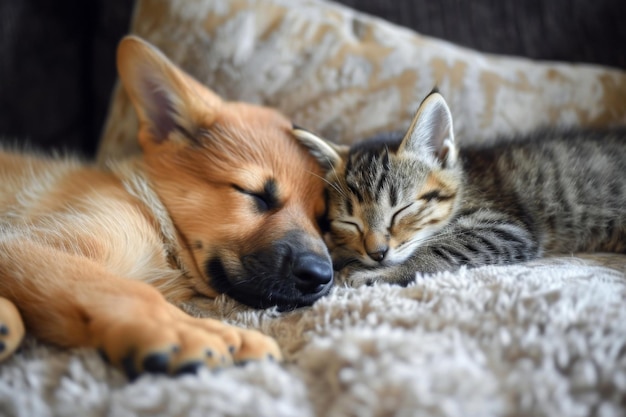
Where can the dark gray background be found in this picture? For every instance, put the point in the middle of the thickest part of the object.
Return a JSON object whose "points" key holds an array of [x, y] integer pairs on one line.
{"points": [[57, 57]]}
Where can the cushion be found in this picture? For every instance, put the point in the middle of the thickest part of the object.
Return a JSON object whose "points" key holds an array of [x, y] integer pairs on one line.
{"points": [[347, 75]]}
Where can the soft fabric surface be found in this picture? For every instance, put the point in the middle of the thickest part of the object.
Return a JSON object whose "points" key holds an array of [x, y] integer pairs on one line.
{"points": [[544, 339], [347, 75]]}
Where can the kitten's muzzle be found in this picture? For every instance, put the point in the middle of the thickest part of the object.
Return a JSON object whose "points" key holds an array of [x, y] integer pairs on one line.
{"points": [[376, 245], [379, 254]]}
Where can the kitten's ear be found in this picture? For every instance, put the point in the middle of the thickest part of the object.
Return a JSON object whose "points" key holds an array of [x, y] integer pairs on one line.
{"points": [[432, 129], [328, 154], [165, 98]]}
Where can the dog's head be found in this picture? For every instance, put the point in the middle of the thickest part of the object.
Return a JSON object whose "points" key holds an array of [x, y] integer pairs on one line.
{"points": [[245, 197]]}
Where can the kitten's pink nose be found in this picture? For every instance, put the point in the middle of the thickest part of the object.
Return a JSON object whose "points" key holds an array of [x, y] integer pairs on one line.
{"points": [[376, 245], [379, 254]]}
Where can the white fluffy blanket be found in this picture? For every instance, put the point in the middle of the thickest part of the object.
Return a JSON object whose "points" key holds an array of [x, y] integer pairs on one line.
{"points": [[542, 339]]}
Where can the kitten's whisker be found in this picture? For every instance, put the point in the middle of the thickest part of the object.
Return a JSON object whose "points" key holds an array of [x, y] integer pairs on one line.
{"points": [[334, 186], [434, 238], [437, 237], [344, 192]]}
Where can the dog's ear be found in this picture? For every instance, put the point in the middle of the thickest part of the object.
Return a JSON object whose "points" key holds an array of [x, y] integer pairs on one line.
{"points": [[170, 104], [328, 154]]}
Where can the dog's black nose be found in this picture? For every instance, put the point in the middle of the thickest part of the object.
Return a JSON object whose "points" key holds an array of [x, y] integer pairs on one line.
{"points": [[312, 272]]}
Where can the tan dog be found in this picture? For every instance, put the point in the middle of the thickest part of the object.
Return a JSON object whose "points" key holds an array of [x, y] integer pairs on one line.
{"points": [[223, 200]]}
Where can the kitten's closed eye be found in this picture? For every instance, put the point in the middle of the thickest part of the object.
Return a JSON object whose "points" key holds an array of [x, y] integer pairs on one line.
{"points": [[431, 195], [349, 224], [394, 218], [435, 195]]}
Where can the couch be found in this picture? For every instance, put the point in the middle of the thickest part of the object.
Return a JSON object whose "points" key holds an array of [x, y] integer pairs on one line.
{"points": [[544, 338], [57, 69]]}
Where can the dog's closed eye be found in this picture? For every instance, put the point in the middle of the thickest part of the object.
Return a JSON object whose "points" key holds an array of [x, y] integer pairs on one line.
{"points": [[265, 200]]}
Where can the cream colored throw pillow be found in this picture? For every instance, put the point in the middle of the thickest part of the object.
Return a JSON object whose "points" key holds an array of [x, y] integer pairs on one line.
{"points": [[348, 75]]}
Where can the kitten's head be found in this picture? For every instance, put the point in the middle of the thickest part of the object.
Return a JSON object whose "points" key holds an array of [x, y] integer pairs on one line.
{"points": [[387, 197]]}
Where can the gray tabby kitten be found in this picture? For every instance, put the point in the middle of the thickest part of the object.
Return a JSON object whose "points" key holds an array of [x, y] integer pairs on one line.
{"points": [[420, 204]]}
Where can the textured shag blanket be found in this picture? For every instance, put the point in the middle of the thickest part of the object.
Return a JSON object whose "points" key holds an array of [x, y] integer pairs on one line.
{"points": [[546, 338]]}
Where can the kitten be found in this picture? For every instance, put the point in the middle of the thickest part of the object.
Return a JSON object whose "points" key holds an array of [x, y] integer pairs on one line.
{"points": [[399, 206]]}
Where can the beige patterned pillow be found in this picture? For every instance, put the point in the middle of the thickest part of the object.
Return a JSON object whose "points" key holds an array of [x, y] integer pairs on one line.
{"points": [[348, 75]]}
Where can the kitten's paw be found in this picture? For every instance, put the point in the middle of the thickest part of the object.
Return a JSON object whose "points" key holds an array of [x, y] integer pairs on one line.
{"points": [[359, 277]]}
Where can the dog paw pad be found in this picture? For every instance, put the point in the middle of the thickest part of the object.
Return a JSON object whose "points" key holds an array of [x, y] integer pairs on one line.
{"points": [[156, 363], [103, 355], [128, 364], [189, 368], [11, 328]]}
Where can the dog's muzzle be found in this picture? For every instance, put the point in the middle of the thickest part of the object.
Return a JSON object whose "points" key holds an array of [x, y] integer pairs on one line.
{"points": [[293, 272]]}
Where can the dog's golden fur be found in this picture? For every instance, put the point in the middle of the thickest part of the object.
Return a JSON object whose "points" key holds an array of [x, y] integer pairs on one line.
{"points": [[222, 200]]}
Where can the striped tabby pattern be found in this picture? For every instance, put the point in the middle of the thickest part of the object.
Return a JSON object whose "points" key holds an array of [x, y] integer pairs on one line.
{"points": [[403, 205]]}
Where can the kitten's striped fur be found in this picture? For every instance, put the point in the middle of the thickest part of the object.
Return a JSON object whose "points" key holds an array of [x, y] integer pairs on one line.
{"points": [[398, 206]]}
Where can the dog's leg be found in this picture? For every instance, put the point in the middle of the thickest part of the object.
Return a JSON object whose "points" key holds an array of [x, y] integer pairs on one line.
{"points": [[11, 328], [72, 301]]}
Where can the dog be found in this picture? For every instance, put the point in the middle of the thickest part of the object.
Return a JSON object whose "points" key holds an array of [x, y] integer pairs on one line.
{"points": [[222, 200]]}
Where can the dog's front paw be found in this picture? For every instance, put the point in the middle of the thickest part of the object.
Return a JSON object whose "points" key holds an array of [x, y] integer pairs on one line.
{"points": [[11, 328], [163, 339], [244, 345], [256, 346]]}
